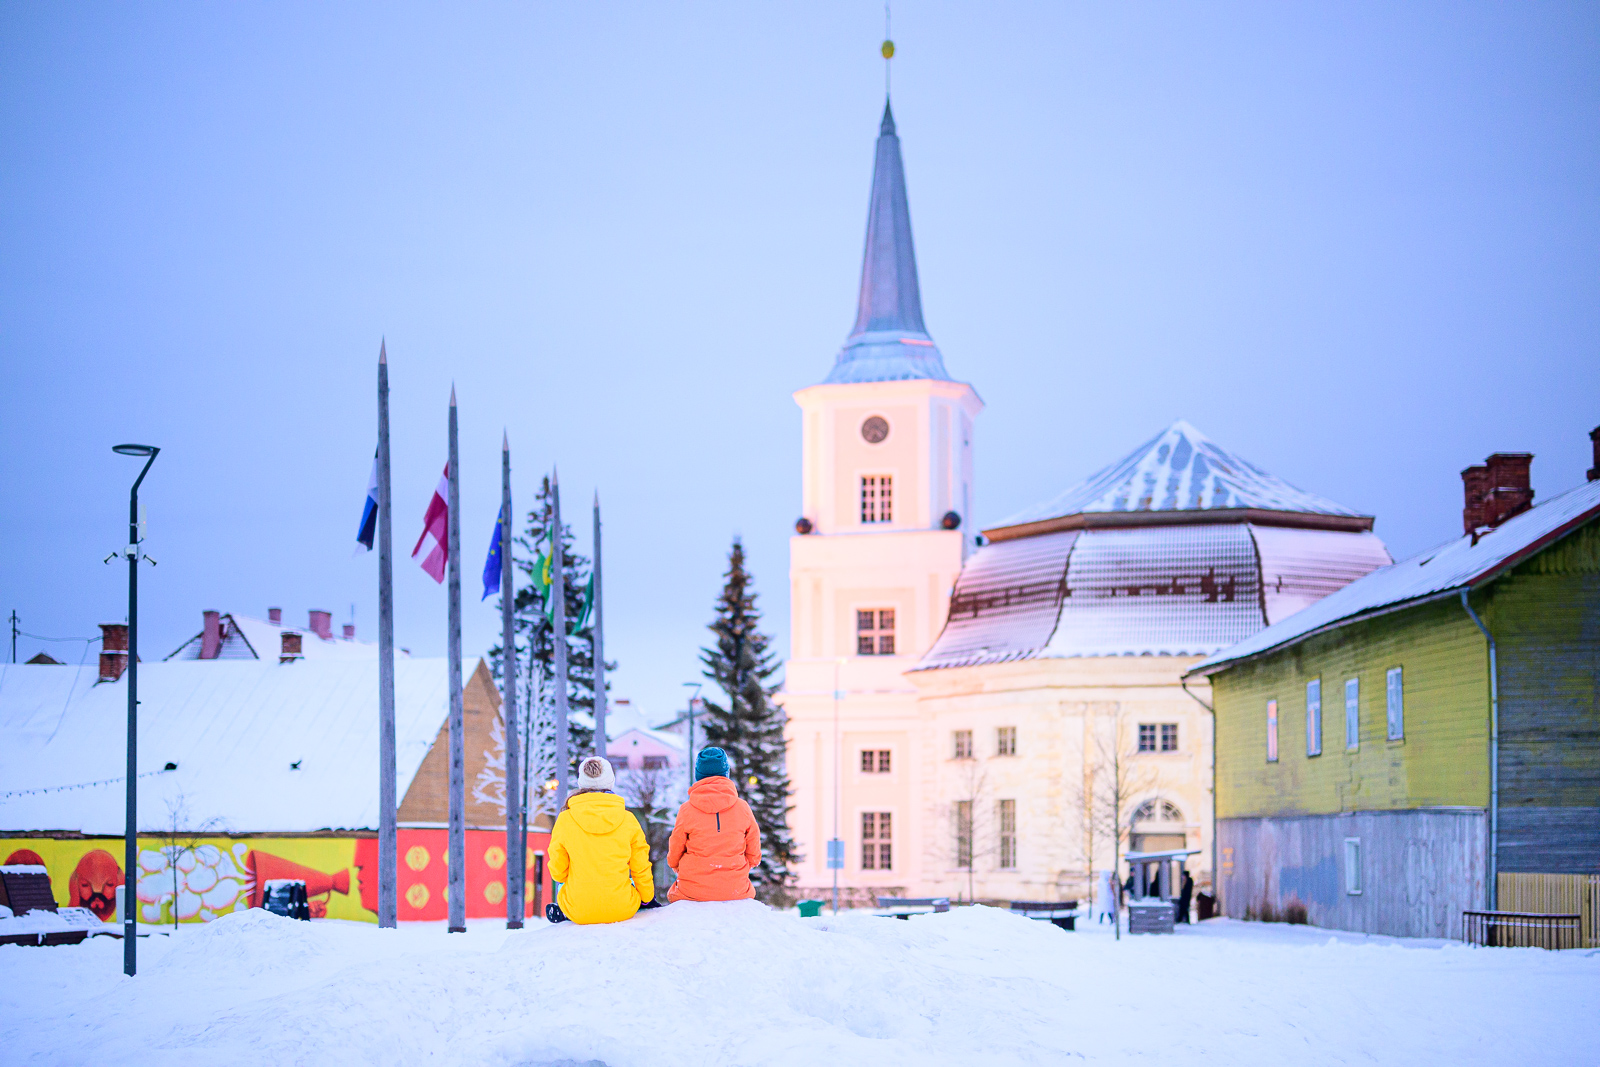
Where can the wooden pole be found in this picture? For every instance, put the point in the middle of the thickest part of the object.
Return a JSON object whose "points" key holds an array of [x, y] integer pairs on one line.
{"points": [[599, 643], [516, 864], [458, 772], [558, 590], [388, 842]]}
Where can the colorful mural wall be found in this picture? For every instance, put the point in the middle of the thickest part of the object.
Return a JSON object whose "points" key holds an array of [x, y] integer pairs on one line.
{"points": [[205, 876]]}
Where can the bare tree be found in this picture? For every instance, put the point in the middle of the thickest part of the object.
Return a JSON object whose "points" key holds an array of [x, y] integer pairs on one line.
{"points": [[972, 823], [650, 793], [179, 838], [1110, 788]]}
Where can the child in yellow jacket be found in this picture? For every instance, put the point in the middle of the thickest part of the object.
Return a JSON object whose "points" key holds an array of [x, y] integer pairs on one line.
{"points": [[598, 853]]}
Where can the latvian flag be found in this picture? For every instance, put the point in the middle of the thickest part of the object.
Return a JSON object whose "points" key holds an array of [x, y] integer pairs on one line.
{"points": [[436, 524]]}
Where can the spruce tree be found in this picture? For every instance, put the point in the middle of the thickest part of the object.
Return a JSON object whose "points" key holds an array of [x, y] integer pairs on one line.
{"points": [[749, 726], [533, 629]]}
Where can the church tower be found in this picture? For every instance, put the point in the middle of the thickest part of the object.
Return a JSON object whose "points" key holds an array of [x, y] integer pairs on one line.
{"points": [[887, 496]]}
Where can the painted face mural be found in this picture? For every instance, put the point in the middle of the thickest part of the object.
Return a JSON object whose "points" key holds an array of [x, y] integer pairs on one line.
{"points": [[94, 882]]}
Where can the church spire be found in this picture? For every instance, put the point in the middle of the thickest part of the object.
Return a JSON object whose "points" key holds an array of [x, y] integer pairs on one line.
{"points": [[889, 341]]}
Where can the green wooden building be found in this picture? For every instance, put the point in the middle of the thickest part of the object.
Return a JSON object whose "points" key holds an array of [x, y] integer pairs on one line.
{"points": [[1402, 750]]}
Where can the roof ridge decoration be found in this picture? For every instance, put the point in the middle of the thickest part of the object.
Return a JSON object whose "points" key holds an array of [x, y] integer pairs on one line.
{"points": [[888, 341], [1181, 470]]}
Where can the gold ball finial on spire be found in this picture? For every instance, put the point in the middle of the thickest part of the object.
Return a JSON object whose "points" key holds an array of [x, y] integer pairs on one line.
{"points": [[888, 49]]}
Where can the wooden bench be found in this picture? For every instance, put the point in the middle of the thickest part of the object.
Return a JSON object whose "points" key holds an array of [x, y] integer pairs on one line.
{"points": [[905, 907], [1063, 913]]}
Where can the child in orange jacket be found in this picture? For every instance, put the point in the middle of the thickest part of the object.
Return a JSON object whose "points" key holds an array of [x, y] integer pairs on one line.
{"points": [[716, 842]]}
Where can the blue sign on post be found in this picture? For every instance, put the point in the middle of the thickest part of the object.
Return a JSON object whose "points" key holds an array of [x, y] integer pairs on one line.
{"points": [[835, 855]]}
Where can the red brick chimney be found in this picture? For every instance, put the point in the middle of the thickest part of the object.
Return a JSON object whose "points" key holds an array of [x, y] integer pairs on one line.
{"points": [[1497, 491], [211, 634], [1594, 439], [275, 616], [291, 647], [349, 631], [321, 624], [113, 650]]}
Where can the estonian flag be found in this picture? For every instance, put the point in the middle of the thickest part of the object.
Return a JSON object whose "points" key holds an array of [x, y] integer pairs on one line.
{"points": [[492, 565], [369, 515]]}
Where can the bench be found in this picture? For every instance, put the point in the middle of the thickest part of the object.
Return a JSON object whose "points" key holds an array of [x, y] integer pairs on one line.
{"points": [[1151, 915], [1063, 913], [905, 907]]}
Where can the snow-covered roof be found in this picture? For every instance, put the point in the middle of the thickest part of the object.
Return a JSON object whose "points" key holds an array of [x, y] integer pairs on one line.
{"points": [[246, 638], [1455, 565], [258, 746], [1178, 470], [1179, 590]]}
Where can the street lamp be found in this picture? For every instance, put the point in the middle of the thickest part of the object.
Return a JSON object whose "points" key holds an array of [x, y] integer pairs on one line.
{"points": [[130, 844], [694, 698]]}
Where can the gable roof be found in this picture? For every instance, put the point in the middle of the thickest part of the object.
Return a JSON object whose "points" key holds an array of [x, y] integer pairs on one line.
{"points": [[1461, 564], [234, 729], [1181, 471]]}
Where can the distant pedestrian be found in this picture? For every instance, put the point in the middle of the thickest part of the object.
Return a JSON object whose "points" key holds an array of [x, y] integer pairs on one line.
{"points": [[1184, 896], [1105, 897], [716, 842], [598, 853]]}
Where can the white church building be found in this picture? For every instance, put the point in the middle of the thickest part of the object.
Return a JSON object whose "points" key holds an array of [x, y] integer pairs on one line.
{"points": [[983, 717]]}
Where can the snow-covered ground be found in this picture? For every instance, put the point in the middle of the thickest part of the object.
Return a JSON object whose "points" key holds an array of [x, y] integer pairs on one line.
{"points": [[737, 984]]}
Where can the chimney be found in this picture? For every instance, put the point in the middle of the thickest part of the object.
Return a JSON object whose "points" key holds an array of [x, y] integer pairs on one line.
{"points": [[321, 624], [1510, 486], [291, 647], [1594, 439], [211, 635], [275, 616], [1475, 482], [113, 650], [349, 631]]}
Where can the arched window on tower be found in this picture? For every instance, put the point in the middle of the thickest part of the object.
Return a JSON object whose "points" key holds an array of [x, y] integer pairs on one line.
{"points": [[1158, 826]]}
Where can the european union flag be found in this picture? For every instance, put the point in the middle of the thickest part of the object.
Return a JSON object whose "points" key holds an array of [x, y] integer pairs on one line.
{"points": [[492, 565]]}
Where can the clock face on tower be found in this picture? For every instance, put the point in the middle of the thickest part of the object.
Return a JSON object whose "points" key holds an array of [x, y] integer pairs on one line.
{"points": [[875, 429]]}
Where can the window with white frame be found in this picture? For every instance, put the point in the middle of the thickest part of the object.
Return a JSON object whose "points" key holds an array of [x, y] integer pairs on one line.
{"points": [[1008, 834], [1352, 714], [1396, 695], [1314, 717], [875, 760], [963, 746], [1158, 737], [876, 841], [1005, 741], [1352, 865], [877, 498], [875, 632], [1272, 731]]}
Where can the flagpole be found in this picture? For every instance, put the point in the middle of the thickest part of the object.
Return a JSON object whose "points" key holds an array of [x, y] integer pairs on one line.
{"points": [[516, 860], [599, 640], [387, 836], [458, 823], [558, 591]]}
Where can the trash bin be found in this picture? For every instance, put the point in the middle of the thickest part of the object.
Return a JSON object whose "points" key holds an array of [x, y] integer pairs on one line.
{"points": [[810, 909]]}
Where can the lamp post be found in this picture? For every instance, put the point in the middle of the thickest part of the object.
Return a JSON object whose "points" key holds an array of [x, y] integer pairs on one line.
{"points": [[836, 843], [694, 698], [131, 840]]}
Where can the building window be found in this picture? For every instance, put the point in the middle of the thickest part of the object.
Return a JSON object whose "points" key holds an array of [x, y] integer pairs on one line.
{"points": [[1272, 731], [1314, 717], [963, 833], [619, 763], [963, 744], [1005, 741], [1158, 737], [1008, 834], [655, 763], [877, 849], [877, 498], [875, 632], [1397, 705], [875, 761], [1352, 714], [1352, 866]]}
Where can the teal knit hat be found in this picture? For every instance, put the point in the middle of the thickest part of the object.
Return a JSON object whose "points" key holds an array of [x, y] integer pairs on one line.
{"points": [[712, 763]]}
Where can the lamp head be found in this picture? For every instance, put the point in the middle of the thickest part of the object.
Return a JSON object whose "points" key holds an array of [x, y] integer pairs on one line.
{"points": [[135, 450]]}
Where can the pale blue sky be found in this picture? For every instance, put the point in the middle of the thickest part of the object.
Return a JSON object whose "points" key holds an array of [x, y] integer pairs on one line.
{"points": [[1357, 243]]}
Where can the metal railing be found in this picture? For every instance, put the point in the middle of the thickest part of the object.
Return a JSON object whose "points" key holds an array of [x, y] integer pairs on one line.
{"points": [[1520, 929]]}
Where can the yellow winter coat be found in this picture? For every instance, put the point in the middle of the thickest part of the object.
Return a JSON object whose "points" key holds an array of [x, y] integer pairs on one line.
{"points": [[595, 846]]}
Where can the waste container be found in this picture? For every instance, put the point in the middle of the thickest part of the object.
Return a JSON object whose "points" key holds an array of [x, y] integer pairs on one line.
{"points": [[810, 909]]}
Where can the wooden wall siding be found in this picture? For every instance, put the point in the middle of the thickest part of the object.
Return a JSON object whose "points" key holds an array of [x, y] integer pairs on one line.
{"points": [[427, 801], [1545, 617], [1420, 869], [1442, 761], [1555, 894]]}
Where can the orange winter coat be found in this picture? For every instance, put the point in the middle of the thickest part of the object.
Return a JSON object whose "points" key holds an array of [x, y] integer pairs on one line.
{"points": [[714, 845]]}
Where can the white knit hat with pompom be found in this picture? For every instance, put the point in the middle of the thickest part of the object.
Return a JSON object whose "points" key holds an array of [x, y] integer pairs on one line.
{"points": [[595, 773]]}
